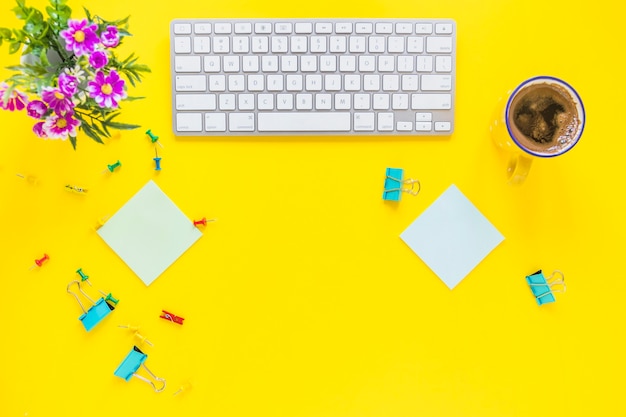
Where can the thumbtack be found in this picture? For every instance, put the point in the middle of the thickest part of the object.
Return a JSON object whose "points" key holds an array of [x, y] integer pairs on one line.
{"points": [[185, 386], [83, 277], [76, 189], [129, 327], [112, 167], [138, 336], [154, 138], [157, 161], [143, 339], [101, 221], [39, 262], [171, 317], [31, 179], [202, 222]]}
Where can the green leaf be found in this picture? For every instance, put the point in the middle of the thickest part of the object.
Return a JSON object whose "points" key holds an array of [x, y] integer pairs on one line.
{"points": [[73, 141], [15, 46], [87, 14], [121, 126], [90, 132]]}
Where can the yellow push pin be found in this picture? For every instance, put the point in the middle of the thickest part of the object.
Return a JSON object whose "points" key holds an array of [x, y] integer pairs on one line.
{"points": [[186, 386]]}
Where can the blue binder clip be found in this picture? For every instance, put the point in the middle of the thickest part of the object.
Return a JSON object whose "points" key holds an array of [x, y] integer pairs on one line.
{"points": [[394, 181], [128, 368], [98, 310], [544, 288]]}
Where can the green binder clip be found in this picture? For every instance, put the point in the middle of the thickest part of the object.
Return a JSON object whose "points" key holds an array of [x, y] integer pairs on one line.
{"points": [[128, 369], [394, 182], [99, 309], [544, 288]]}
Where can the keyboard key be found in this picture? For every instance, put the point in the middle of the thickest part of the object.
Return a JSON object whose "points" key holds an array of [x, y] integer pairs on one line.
{"points": [[188, 64], [215, 122], [304, 122], [438, 44], [241, 122], [191, 83], [431, 101], [182, 28], [436, 83], [442, 126], [189, 122], [195, 102]]}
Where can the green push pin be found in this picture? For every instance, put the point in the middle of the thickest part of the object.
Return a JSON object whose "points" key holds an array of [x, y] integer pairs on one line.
{"points": [[112, 167], [83, 276], [154, 138]]}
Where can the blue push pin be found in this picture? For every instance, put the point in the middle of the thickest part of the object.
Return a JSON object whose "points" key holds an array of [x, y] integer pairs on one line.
{"points": [[94, 315], [112, 167], [542, 287], [129, 366], [154, 138], [157, 161], [393, 185]]}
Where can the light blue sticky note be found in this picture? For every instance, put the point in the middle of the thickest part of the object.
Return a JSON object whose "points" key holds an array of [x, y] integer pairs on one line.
{"points": [[452, 236], [149, 232]]}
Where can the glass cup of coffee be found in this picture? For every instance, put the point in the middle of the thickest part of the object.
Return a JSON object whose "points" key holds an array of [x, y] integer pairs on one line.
{"points": [[543, 117]]}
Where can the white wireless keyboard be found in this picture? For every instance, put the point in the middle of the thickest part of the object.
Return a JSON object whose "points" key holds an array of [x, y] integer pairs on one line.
{"points": [[267, 77]]}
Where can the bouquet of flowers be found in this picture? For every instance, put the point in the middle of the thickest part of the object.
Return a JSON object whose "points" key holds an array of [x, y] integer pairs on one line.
{"points": [[70, 78]]}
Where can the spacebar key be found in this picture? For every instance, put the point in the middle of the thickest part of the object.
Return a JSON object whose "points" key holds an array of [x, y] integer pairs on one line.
{"points": [[303, 122]]}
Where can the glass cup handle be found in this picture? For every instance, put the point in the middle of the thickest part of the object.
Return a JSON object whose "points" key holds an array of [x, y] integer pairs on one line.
{"points": [[518, 168]]}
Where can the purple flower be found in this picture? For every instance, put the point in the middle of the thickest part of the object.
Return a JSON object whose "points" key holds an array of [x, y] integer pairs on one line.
{"points": [[110, 37], [68, 84], [80, 37], [38, 129], [15, 101], [57, 100], [107, 90], [98, 59], [36, 109], [59, 127]]}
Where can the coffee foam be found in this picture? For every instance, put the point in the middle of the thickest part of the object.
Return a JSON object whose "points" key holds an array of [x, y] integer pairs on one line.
{"points": [[543, 118]]}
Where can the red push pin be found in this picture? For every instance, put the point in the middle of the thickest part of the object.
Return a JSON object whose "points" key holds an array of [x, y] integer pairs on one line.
{"points": [[171, 317], [39, 262], [202, 222]]}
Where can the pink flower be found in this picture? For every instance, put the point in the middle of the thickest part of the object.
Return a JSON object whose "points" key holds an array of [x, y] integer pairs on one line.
{"points": [[38, 129], [59, 127], [110, 37], [80, 37], [57, 100], [36, 109], [98, 59], [16, 100], [68, 84], [107, 90]]}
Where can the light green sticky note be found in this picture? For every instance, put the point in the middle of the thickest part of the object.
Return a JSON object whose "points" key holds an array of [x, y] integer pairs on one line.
{"points": [[451, 236], [149, 233]]}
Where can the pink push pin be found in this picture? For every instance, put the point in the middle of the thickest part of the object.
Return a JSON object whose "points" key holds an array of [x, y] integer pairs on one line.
{"points": [[39, 262]]}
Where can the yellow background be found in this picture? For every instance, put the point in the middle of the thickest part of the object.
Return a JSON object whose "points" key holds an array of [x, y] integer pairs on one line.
{"points": [[301, 300]]}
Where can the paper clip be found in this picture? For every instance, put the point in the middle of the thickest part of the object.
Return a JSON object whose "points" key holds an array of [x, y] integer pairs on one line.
{"points": [[171, 317], [128, 368], [98, 310], [543, 288], [394, 180]]}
